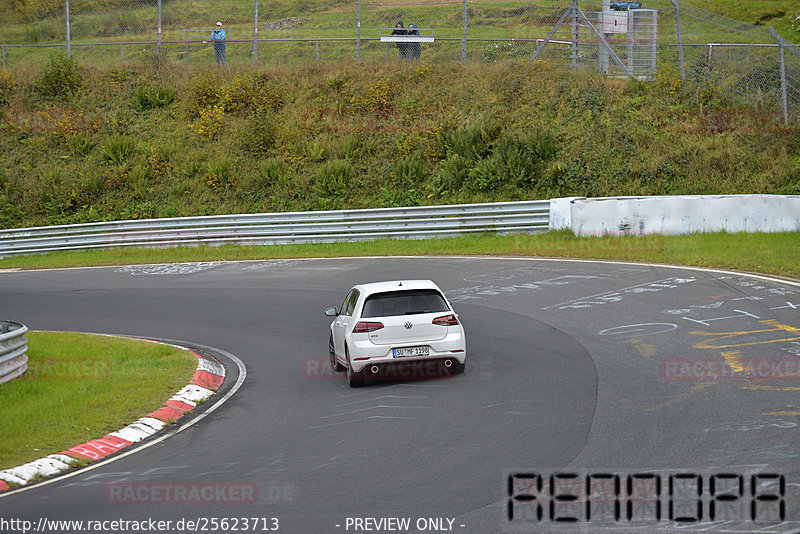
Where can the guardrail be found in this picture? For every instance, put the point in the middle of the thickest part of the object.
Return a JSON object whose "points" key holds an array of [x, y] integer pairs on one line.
{"points": [[13, 344], [283, 228]]}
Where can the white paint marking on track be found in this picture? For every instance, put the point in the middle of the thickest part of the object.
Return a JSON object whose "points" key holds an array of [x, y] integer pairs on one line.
{"points": [[364, 419]]}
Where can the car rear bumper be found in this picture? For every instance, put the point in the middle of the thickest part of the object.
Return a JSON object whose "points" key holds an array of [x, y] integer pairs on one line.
{"points": [[364, 352], [411, 369]]}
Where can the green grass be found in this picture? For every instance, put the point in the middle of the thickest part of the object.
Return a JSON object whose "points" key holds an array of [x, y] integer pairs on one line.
{"points": [[777, 253], [80, 387], [320, 137]]}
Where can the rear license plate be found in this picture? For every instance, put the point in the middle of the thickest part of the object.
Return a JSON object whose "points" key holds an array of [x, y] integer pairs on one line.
{"points": [[411, 351]]}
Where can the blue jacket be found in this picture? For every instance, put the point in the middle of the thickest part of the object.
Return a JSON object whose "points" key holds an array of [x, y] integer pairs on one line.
{"points": [[218, 37]]}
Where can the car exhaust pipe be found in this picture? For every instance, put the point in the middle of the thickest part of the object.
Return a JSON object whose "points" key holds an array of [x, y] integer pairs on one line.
{"points": [[375, 369], [448, 363]]}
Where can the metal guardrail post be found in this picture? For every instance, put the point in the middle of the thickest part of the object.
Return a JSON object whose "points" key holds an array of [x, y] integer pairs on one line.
{"points": [[13, 344], [358, 31], [784, 93], [680, 41]]}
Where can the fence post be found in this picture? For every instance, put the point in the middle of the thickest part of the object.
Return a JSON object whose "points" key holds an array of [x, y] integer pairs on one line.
{"points": [[464, 31], [602, 53], [574, 33], [255, 30], [680, 40], [654, 56], [358, 30], [158, 47], [784, 95], [66, 18], [121, 53], [4, 54]]}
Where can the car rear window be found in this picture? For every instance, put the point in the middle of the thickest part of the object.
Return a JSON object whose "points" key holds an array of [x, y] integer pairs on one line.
{"points": [[406, 302]]}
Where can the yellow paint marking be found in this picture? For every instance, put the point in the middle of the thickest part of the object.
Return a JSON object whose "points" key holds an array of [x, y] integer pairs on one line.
{"points": [[645, 349], [780, 413], [673, 400], [771, 388], [731, 358], [776, 327], [678, 398]]}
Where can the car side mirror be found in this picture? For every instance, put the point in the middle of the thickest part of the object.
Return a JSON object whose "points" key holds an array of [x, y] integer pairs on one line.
{"points": [[332, 312]]}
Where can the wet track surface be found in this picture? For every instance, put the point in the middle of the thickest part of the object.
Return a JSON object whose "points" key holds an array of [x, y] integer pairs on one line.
{"points": [[572, 367]]}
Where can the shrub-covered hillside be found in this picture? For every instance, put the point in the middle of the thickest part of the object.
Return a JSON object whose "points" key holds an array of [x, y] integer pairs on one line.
{"points": [[148, 140]]}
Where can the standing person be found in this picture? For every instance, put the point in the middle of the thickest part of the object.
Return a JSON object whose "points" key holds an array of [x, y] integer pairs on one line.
{"points": [[403, 50], [218, 38], [416, 48]]}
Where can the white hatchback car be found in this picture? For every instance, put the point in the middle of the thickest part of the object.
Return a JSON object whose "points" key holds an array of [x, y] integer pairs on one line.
{"points": [[396, 330]]}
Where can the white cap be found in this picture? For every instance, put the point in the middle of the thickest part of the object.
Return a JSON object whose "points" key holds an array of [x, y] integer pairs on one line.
{"points": [[219, 24]]}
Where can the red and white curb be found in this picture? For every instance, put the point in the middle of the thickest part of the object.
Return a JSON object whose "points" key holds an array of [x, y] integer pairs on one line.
{"points": [[206, 380]]}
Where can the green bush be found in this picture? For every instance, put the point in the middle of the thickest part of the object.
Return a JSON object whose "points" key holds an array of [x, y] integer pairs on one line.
{"points": [[205, 92], [333, 181], [523, 159], [453, 172], [485, 175], [7, 88], [252, 92], [42, 31], [410, 169], [149, 98], [79, 144], [117, 148], [61, 78], [268, 174], [140, 179], [473, 141], [258, 133]]}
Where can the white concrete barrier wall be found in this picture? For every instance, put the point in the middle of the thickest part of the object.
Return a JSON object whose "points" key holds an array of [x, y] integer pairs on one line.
{"points": [[675, 215]]}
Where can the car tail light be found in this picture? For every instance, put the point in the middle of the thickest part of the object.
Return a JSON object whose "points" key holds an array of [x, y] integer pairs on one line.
{"points": [[446, 320], [366, 326]]}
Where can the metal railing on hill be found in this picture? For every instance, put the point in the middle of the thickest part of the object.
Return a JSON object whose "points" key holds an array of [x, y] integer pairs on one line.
{"points": [[283, 228]]}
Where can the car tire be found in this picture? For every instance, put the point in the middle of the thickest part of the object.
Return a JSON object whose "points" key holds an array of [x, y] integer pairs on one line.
{"points": [[355, 380], [337, 367], [458, 368]]}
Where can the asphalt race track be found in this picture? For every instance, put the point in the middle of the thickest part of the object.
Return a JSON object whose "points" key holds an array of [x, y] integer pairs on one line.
{"points": [[680, 379]]}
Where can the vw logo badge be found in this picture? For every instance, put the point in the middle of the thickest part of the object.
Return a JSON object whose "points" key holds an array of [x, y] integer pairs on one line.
{"points": [[408, 325]]}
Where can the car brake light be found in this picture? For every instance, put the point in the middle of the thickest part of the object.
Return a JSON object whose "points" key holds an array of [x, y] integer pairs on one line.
{"points": [[366, 326], [446, 320]]}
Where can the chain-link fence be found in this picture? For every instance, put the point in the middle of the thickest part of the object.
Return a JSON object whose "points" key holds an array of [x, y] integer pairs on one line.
{"points": [[662, 39]]}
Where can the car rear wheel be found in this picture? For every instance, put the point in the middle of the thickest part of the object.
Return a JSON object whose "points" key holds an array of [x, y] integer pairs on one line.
{"points": [[354, 379], [337, 367]]}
